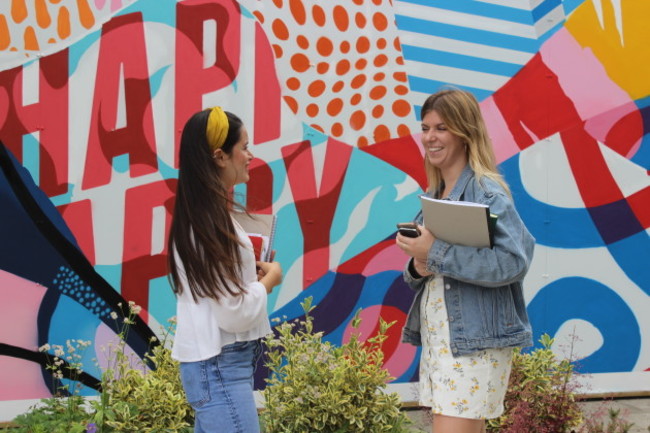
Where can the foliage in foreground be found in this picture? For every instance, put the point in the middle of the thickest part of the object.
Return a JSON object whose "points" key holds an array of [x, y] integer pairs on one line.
{"points": [[314, 386], [541, 394], [133, 398]]}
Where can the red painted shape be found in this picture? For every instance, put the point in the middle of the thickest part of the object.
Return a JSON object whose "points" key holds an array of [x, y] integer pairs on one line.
{"points": [[49, 116], [596, 184], [137, 138], [139, 264], [78, 216], [639, 204], [193, 80], [625, 133], [358, 263], [267, 91], [407, 159], [534, 101], [316, 208], [394, 333], [259, 189]]}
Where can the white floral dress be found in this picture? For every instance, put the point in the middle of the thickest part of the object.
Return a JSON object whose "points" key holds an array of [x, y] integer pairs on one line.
{"points": [[470, 386]]}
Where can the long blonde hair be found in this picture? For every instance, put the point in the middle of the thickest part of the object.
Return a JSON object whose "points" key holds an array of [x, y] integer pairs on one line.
{"points": [[460, 112]]}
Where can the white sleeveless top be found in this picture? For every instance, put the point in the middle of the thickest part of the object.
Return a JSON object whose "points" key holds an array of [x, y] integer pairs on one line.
{"points": [[204, 327]]}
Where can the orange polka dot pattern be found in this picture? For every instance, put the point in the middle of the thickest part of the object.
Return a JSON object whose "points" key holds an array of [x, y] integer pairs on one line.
{"points": [[340, 66], [32, 27]]}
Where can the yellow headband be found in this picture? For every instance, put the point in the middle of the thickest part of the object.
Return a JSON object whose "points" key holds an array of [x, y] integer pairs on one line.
{"points": [[217, 128]]}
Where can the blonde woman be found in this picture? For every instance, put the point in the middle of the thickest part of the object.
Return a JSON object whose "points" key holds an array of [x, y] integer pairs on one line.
{"points": [[469, 310]]}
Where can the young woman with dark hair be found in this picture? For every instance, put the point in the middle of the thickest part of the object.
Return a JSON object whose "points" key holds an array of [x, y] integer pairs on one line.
{"points": [[221, 290]]}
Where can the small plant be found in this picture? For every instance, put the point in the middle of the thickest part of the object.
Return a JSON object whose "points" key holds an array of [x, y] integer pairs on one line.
{"points": [[315, 386], [541, 394], [66, 411], [133, 398]]}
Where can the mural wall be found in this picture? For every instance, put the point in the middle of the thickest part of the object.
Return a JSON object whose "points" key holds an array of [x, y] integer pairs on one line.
{"points": [[94, 93]]}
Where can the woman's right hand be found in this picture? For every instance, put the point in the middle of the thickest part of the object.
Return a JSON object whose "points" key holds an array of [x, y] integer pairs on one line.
{"points": [[269, 274]]}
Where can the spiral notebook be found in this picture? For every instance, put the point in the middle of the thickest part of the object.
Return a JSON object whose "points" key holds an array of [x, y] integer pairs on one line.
{"points": [[261, 231]]}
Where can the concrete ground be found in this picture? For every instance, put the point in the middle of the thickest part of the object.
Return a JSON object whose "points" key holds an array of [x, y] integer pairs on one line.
{"points": [[634, 410]]}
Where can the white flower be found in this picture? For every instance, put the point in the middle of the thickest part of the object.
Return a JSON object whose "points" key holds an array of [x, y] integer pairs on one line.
{"points": [[44, 348], [113, 315]]}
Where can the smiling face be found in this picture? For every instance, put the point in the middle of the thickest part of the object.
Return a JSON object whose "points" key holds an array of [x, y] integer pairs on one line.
{"points": [[235, 164], [442, 148]]}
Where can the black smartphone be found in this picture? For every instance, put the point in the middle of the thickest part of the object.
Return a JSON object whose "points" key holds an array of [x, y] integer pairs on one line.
{"points": [[408, 229]]}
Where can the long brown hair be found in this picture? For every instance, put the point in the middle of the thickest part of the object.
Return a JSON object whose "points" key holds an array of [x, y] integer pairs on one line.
{"points": [[460, 112], [202, 232]]}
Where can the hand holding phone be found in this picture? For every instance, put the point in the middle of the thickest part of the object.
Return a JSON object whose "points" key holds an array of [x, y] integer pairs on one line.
{"points": [[409, 230]]}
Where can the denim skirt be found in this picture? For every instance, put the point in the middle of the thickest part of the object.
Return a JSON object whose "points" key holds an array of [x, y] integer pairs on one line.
{"points": [[220, 389]]}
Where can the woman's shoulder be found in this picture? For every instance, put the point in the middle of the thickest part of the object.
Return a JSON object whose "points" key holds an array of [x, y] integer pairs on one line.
{"points": [[485, 188]]}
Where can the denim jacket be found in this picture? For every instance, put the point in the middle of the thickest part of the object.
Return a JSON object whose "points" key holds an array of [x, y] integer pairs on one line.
{"points": [[483, 286]]}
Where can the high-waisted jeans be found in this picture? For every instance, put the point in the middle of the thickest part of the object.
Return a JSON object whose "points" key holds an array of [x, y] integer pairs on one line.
{"points": [[220, 389]]}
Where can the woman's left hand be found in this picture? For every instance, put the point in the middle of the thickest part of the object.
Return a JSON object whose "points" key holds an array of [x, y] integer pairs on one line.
{"points": [[419, 247]]}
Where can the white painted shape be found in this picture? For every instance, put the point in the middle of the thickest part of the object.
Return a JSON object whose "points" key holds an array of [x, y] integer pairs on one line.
{"points": [[598, 7], [318, 152], [31, 83], [461, 77], [465, 48], [357, 221], [461, 19], [81, 85], [158, 223], [291, 284], [209, 43], [551, 264], [576, 339], [630, 177], [527, 5], [550, 20], [547, 176], [407, 187], [159, 37], [120, 117], [618, 16]]}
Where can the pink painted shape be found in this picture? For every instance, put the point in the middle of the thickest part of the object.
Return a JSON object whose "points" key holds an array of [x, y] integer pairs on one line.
{"points": [[389, 259], [19, 310], [115, 5], [100, 3], [503, 142], [106, 342], [599, 126], [592, 92], [634, 149], [20, 379], [417, 138], [402, 357]]}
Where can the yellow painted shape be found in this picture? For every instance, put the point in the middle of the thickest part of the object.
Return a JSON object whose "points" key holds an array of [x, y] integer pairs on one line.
{"points": [[626, 56]]}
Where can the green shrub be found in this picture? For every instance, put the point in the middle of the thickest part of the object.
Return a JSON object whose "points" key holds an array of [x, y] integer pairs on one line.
{"points": [[314, 386], [541, 394], [147, 401], [132, 398]]}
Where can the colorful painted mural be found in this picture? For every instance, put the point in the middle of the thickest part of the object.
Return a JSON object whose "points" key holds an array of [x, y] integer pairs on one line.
{"points": [[94, 93]]}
